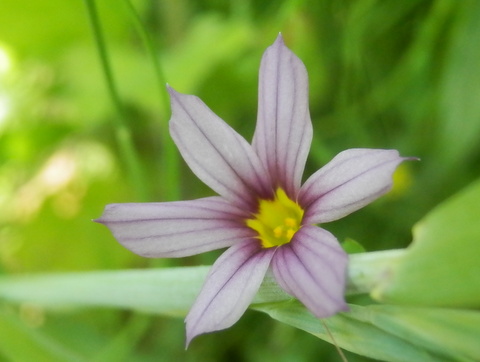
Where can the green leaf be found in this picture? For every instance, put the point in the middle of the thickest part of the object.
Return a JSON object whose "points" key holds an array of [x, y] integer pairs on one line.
{"points": [[453, 333], [385, 332], [168, 291], [391, 333], [441, 267], [352, 246], [459, 87]]}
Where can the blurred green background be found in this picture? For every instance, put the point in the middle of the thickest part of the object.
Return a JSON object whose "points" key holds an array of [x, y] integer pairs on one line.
{"points": [[383, 74]]}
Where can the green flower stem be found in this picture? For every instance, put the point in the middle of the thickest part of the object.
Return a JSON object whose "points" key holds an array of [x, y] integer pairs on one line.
{"points": [[170, 156], [122, 131]]}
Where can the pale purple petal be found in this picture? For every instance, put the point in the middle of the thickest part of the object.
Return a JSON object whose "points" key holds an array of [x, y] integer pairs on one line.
{"points": [[284, 130], [312, 267], [218, 155], [176, 229], [353, 179], [229, 288]]}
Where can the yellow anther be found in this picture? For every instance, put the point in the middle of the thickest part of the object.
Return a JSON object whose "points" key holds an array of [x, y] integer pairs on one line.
{"points": [[278, 231], [290, 233], [291, 222], [277, 220]]}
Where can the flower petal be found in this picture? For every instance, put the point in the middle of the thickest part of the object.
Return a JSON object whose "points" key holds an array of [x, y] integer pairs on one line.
{"points": [[284, 130], [312, 267], [176, 229], [229, 288], [218, 155], [353, 179]]}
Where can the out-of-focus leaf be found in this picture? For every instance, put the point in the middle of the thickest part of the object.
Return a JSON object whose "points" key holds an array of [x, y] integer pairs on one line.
{"points": [[441, 267], [22, 343], [391, 333], [385, 332], [168, 291], [33, 28], [230, 40], [460, 87], [451, 332], [164, 291], [123, 345], [352, 246]]}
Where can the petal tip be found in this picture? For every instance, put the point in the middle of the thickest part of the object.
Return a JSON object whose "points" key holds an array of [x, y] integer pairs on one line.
{"points": [[279, 40], [188, 338], [170, 90], [412, 158], [192, 331], [103, 219]]}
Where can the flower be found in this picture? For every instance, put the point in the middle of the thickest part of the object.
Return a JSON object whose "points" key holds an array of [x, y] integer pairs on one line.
{"points": [[263, 213]]}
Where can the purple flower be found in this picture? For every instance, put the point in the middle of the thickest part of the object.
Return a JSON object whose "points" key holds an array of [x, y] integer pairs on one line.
{"points": [[263, 214]]}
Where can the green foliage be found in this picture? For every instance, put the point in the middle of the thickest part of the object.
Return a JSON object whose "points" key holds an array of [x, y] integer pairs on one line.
{"points": [[392, 333], [441, 266], [398, 75], [21, 343], [145, 290], [385, 332], [352, 246]]}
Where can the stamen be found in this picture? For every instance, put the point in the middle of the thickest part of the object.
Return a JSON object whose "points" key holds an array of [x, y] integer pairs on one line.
{"points": [[278, 231], [291, 222], [290, 233], [277, 220]]}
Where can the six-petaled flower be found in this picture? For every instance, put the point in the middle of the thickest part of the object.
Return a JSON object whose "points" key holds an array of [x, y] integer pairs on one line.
{"points": [[263, 213]]}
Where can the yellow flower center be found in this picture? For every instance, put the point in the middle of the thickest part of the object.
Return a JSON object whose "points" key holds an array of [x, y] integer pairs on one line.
{"points": [[277, 220]]}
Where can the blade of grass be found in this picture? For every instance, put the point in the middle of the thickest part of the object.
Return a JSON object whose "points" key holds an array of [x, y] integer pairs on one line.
{"points": [[122, 131], [170, 156], [167, 291]]}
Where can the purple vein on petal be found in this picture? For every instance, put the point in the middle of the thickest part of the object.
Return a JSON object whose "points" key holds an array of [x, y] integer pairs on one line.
{"points": [[283, 134], [329, 246], [312, 267], [204, 208], [218, 155], [300, 256], [229, 288], [286, 276], [350, 181], [215, 183], [176, 229]]}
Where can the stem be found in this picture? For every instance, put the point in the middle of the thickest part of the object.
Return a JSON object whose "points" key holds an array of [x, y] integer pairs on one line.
{"points": [[170, 157], [122, 131], [334, 342]]}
